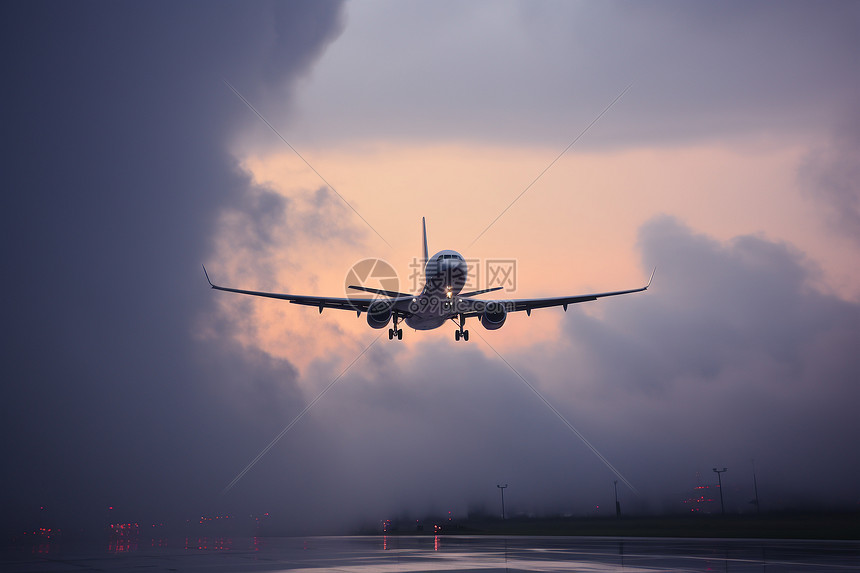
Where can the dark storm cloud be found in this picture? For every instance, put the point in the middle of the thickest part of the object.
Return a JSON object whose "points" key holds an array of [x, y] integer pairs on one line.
{"points": [[733, 356], [541, 71], [115, 135], [705, 70], [435, 431]]}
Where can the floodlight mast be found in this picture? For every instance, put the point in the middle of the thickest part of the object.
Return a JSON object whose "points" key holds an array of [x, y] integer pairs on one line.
{"points": [[720, 481], [502, 489], [755, 488], [617, 505]]}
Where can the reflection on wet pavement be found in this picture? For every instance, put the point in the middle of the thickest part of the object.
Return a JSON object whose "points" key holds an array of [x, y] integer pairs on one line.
{"points": [[440, 553]]}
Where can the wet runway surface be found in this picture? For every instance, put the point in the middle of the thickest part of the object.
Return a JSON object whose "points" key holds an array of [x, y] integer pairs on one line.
{"points": [[391, 554]]}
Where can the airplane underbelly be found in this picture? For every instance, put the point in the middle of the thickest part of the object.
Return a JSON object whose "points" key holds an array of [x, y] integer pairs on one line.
{"points": [[428, 321]]}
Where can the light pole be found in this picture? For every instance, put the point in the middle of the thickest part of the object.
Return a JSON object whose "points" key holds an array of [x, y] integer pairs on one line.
{"points": [[617, 505], [502, 489], [720, 480], [755, 487]]}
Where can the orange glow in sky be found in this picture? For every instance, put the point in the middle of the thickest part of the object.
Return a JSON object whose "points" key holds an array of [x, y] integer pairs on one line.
{"points": [[574, 231]]}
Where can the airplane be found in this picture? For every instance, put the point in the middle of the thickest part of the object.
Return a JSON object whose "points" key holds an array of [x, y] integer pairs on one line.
{"points": [[440, 299]]}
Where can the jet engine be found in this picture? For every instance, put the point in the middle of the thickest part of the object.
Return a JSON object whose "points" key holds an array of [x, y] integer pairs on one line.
{"points": [[494, 316], [379, 314]]}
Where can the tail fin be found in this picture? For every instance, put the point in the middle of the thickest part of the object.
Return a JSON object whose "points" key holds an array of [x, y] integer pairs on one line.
{"points": [[424, 230]]}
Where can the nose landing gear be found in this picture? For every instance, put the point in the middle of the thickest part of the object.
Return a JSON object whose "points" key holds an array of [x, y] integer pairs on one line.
{"points": [[461, 333]]}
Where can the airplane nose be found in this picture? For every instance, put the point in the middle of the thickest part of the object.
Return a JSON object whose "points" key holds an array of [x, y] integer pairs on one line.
{"points": [[454, 271], [447, 270]]}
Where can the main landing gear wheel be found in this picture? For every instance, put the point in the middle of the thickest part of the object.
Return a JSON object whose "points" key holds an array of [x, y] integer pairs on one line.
{"points": [[461, 332], [398, 332]]}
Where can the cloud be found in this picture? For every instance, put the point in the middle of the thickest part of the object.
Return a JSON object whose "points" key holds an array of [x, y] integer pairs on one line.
{"points": [[831, 175], [730, 356], [119, 175], [118, 170], [540, 72]]}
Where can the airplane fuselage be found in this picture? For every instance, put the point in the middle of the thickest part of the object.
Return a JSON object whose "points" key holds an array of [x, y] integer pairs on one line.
{"points": [[445, 276]]}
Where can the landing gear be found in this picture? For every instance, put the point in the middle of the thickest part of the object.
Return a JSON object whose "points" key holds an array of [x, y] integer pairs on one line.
{"points": [[461, 333], [395, 332]]}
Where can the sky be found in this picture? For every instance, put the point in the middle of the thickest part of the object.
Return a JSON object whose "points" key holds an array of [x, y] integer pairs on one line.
{"points": [[281, 143]]}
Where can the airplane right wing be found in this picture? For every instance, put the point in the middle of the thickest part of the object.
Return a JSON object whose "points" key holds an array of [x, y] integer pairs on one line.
{"points": [[321, 302], [529, 304]]}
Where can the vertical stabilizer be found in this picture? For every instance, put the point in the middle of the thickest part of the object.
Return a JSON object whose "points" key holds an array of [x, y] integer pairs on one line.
{"points": [[424, 232]]}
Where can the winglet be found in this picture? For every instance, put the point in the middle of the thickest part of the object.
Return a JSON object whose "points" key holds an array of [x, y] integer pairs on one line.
{"points": [[652, 277], [424, 233], [207, 276]]}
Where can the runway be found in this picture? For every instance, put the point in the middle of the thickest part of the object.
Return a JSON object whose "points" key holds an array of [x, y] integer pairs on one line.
{"points": [[440, 553]]}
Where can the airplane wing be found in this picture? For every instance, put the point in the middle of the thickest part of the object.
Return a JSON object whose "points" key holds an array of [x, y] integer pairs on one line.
{"points": [[475, 307], [321, 302], [477, 292], [388, 293]]}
